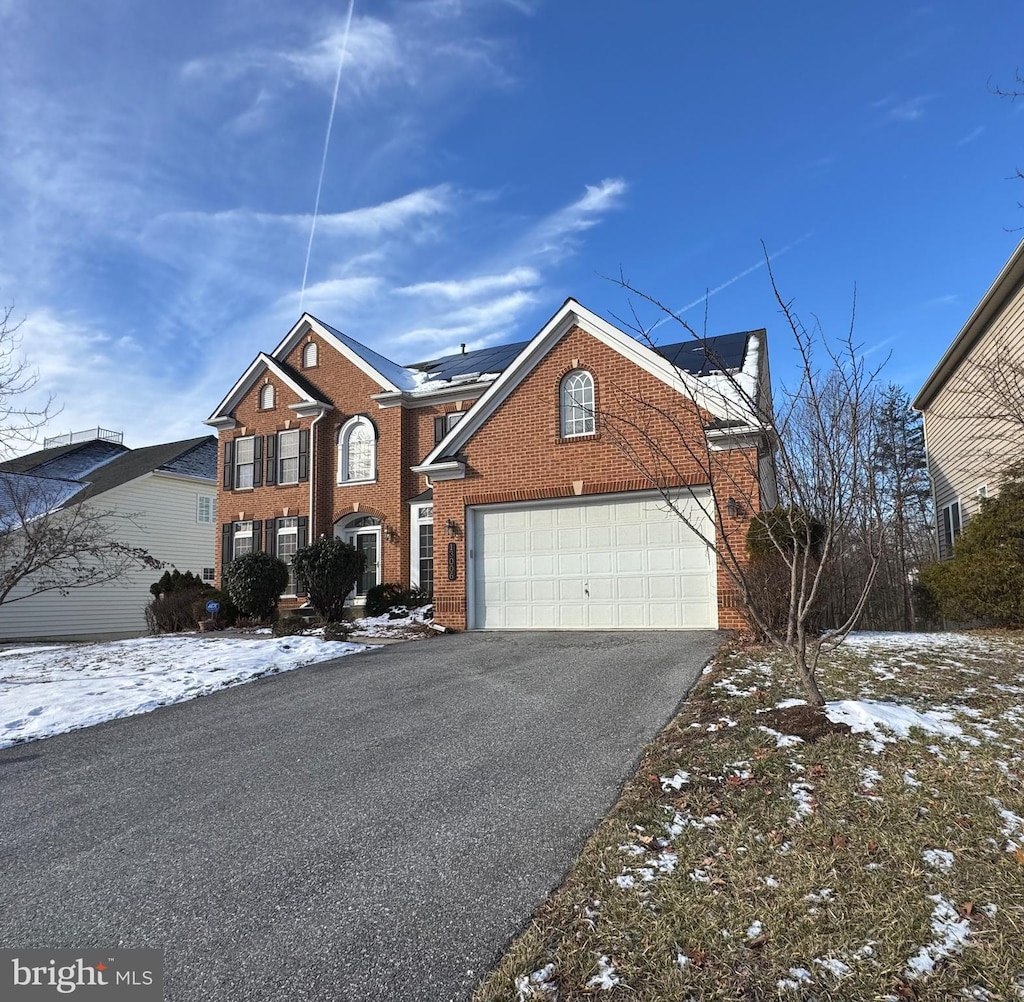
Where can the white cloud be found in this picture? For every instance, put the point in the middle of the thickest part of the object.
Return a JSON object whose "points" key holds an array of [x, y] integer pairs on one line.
{"points": [[903, 109], [467, 288], [553, 236]]}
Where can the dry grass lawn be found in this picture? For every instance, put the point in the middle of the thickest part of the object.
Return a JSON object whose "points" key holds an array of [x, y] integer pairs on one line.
{"points": [[762, 852]]}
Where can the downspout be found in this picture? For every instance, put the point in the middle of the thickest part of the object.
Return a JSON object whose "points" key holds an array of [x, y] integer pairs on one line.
{"points": [[311, 538]]}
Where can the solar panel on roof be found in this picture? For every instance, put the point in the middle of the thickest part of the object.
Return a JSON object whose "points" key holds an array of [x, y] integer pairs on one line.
{"points": [[706, 355], [496, 358]]}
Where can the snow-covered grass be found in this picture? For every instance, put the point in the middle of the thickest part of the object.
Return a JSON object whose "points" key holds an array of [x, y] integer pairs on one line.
{"points": [[400, 622], [46, 690], [766, 851]]}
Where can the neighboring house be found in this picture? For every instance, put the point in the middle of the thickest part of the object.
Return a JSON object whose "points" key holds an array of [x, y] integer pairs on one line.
{"points": [[491, 478], [170, 490], [973, 404]]}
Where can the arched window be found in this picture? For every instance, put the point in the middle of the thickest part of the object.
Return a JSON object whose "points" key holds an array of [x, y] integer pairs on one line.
{"points": [[357, 451], [309, 355], [576, 404], [266, 397]]}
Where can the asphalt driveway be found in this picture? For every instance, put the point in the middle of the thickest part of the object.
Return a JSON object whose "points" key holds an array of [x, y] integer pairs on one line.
{"points": [[378, 827]]}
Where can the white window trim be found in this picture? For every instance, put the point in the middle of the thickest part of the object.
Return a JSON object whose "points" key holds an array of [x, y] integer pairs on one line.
{"points": [[343, 434], [238, 465], [588, 415], [294, 432], [208, 498], [341, 531], [415, 521], [954, 530], [287, 530], [237, 534]]}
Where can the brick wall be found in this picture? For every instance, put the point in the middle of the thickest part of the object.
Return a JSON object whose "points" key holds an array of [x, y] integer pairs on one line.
{"points": [[519, 455]]}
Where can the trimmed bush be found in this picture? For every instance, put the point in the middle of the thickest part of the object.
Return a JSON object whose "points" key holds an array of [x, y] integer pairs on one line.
{"points": [[290, 626], [337, 631], [255, 581], [175, 581], [788, 528], [329, 570], [385, 597], [179, 602]]}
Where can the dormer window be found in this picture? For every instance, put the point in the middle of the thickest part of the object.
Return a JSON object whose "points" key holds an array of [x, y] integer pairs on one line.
{"points": [[576, 404], [357, 451], [267, 397], [309, 355]]}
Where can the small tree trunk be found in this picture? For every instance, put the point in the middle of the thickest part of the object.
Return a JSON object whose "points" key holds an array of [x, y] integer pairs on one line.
{"points": [[808, 675]]}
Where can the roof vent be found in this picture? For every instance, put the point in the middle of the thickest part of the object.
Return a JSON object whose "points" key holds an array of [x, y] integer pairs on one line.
{"points": [[463, 347], [89, 435]]}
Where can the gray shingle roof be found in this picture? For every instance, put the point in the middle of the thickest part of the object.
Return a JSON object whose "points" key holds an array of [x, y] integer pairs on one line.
{"points": [[65, 461], [191, 457]]}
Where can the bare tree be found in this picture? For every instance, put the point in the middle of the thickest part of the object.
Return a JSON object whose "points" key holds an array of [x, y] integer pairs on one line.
{"points": [[48, 544], [48, 541], [19, 424], [826, 497]]}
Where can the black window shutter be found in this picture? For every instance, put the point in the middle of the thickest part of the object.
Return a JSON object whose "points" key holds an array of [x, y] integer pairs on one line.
{"points": [[271, 459], [304, 455], [257, 535], [227, 538], [438, 429], [229, 465], [300, 588], [257, 461], [272, 536]]}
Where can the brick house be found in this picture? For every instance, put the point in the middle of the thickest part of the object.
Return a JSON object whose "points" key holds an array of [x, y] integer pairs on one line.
{"points": [[527, 485]]}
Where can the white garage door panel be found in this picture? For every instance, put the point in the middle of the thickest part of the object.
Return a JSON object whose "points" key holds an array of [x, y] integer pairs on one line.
{"points": [[596, 565]]}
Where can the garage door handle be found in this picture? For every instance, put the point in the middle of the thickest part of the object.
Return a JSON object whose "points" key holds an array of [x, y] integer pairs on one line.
{"points": [[586, 588]]}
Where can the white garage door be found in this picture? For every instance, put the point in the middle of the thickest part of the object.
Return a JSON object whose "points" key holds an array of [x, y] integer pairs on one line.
{"points": [[626, 563]]}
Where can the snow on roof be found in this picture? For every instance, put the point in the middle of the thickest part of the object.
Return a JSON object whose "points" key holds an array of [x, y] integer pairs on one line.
{"points": [[24, 497], [397, 374]]}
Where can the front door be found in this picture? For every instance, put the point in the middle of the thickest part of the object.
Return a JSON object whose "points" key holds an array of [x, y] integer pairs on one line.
{"points": [[367, 541]]}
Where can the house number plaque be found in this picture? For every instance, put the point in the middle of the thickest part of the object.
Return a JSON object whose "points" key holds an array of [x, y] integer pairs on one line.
{"points": [[453, 565]]}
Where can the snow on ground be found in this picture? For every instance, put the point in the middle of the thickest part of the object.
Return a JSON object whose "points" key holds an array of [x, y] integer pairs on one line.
{"points": [[529, 985], [951, 931], [47, 690], [882, 721], [385, 626], [606, 978]]}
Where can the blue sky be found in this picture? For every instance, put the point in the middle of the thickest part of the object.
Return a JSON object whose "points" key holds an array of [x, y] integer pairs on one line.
{"points": [[488, 159]]}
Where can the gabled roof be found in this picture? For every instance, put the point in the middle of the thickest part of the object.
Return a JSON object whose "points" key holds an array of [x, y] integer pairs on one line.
{"points": [[308, 395], [1009, 279], [194, 457], [389, 375], [679, 366], [33, 494], [69, 461]]}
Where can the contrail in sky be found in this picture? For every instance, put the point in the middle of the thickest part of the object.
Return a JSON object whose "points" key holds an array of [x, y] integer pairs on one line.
{"points": [[735, 278], [327, 143]]}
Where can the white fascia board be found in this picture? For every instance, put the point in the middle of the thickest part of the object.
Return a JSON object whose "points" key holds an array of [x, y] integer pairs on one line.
{"points": [[259, 364], [188, 477], [725, 439], [451, 469], [307, 323], [572, 314], [221, 423], [312, 409], [443, 395]]}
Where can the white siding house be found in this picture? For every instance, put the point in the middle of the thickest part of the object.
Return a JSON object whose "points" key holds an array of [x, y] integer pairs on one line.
{"points": [[973, 404], [170, 492]]}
